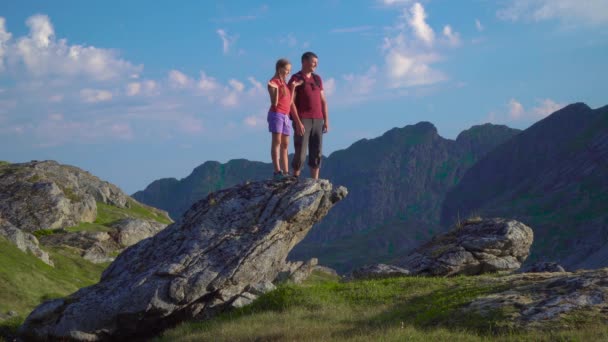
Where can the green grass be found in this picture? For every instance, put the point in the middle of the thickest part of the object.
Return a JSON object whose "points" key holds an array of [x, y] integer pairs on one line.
{"points": [[25, 281], [398, 309], [107, 214]]}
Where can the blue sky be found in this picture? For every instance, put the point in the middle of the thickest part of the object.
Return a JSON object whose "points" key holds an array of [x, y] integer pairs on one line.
{"points": [[133, 91]]}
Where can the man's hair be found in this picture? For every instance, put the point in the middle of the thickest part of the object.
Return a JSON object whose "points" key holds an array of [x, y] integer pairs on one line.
{"points": [[308, 55]]}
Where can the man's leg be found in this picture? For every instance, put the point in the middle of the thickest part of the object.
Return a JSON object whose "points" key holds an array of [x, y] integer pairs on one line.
{"points": [[315, 147], [300, 143]]}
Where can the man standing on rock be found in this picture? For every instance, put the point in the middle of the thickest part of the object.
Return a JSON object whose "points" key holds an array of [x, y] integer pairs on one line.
{"points": [[309, 115]]}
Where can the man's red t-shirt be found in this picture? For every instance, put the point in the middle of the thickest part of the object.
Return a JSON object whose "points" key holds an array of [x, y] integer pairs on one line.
{"points": [[308, 96], [284, 93]]}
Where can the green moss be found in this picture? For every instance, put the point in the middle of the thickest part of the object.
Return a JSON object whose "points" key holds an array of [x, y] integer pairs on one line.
{"points": [[69, 193]]}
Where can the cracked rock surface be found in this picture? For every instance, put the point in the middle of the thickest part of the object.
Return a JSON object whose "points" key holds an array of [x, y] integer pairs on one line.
{"points": [[478, 246], [533, 299], [227, 243]]}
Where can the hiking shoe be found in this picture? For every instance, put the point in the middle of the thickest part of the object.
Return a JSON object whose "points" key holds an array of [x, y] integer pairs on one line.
{"points": [[278, 175]]}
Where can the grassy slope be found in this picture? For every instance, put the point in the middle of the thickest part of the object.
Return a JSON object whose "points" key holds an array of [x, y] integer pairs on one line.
{"points": [[399, 309], [25, 281]]}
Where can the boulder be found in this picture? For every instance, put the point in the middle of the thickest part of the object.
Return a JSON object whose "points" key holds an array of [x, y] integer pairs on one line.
{"points": [[195, 268], [377, 271], [26, 242], [475, 247], [535, 299], [133, 230]]}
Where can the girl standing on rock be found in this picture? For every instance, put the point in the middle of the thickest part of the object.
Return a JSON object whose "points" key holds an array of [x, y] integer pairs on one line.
{"points": [[279, 123]]}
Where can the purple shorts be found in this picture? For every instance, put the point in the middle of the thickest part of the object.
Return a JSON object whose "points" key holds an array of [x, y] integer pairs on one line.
{"points": [[279, 123]]}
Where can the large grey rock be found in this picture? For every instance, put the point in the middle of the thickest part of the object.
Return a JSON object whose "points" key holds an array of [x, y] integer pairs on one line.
{"points": [[196, 267], [132, 230], [534, 299], [477, 246], [376, 271], [24, 241], [48, 195]]}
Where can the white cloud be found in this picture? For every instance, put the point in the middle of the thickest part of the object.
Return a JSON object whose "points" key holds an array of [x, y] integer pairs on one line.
{"points": [[362, 84], [207, 83], [329, 86], [230, 100], [95, 95], [227, 40], [122, 131], [177, 79], [516, 109], [236, 85], [570, 11], [43, 55], [409, 60], [133, 88], [417, 22], [478, 25], [4, 38], [257, 88], [452, 37], [394, 2], [253, 121], [546, 107]]}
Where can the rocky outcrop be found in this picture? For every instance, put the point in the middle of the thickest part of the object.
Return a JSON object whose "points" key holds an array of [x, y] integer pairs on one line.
{"points": [[226, 243], [474, 247], [132, 230], [26, 242], [535, 299], [48, 195], [376, 271]]}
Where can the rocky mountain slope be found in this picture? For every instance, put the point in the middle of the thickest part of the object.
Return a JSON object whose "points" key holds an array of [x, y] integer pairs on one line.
{"points": [[554, 177]]}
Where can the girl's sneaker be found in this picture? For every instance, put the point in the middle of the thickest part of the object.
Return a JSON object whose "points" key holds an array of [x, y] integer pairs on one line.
{"points": [[278, 175]]}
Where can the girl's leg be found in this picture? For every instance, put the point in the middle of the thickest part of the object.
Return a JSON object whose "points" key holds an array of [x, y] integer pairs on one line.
{"points": [[274, 151], [284, 155]]}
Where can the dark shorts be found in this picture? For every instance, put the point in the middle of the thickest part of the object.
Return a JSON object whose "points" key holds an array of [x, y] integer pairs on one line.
{"points": [[279, 123], [312, 140]]}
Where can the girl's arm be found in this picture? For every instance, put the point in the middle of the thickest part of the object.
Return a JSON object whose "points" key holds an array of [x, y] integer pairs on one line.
{"points": [[273, 91]]}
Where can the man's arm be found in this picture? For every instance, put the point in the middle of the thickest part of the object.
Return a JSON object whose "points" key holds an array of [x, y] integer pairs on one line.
{"points": [[325, 113], [294, 110]]}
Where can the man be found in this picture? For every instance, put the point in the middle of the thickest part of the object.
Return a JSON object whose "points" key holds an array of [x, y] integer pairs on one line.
{"points": [[309, 115]]}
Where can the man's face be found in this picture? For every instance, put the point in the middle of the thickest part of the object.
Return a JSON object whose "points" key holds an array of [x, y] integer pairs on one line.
{"points": [[311, 63]]}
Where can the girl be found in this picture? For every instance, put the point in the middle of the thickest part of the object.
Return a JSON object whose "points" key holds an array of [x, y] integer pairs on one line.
{"points": [[279, 123]]}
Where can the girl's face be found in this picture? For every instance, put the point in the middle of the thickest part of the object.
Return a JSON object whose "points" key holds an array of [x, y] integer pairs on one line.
{"points": [[285, 71]]}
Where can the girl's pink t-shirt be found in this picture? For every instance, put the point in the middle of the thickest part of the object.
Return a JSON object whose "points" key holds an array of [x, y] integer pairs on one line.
{"points": [[284, 104]]}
